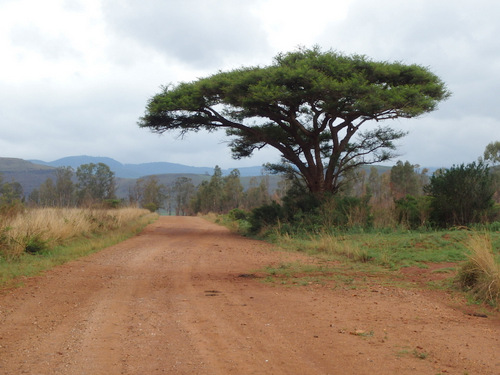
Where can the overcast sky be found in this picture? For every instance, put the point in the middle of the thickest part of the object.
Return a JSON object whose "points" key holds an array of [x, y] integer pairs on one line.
{"points": [[75, 75]]}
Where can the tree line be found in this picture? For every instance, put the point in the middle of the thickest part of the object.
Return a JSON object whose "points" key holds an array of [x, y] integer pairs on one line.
{"points": [[95, 185], [405, 195], [90, 185]]}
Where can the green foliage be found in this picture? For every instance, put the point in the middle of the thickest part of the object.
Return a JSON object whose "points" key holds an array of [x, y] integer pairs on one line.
{"points": [[35, 244], [405, 180], [210, 194], [238, 214], [265, 215], [112, 203], [148, 192], [492, 152], [96, 182], [310, 106], [11, 193], [413, 212], [58, 194], [461, 195], [183, 191], [221, 194]]}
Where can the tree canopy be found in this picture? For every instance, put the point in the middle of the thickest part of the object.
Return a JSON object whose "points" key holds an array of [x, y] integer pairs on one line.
{"points": [[492, 152], [307, 104], [96, 182]]}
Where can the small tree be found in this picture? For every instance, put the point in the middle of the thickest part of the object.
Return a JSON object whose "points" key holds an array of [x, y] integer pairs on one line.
{"points": [[492, 155], [404, 180], [183, 190], [461, 195], [64, 187], [148, 192], [233, 191], [492, 152], [96, 183], [257, 193], [10, 193], [210, 194], [47, 195]]}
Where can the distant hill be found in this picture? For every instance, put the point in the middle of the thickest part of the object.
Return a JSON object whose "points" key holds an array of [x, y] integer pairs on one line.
{"points": [[28, 174], [142, 169], [20, 165]]}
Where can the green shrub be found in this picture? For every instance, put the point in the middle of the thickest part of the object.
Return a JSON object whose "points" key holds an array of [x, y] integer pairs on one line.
{"points": [[238, 214], [266, 215], [35, 244], [462, 195]]}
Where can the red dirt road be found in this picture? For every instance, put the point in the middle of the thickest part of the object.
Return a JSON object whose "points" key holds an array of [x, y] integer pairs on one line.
{"points": [[179, 299]]}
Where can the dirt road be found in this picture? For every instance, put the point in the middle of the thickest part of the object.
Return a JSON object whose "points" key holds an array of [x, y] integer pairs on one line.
{"points": [[181, 298]]}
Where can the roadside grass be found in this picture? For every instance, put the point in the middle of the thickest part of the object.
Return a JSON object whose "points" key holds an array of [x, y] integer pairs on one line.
{"points": [[39, 239], [480, 274], [393, 250], [352, 259], [470, 258]]}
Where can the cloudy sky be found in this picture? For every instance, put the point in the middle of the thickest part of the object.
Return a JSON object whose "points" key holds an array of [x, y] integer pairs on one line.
{"points": [[75, 75]]}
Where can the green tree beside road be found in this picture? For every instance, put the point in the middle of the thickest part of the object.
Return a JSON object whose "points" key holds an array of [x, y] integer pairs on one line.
{"points": [[461, 195], [96, 183], [311, 106]]}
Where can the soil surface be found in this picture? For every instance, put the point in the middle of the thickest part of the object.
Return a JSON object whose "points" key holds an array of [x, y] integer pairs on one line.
{"points": [[185, 297]]}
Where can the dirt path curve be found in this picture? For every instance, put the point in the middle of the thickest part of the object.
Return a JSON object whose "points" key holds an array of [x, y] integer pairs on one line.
{"points": [[177, 299]]}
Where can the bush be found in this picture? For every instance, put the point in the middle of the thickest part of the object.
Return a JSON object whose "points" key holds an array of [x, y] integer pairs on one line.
{"points": [[238, 214], [35, 244], [349, 212], [268, 214], [413, 212], [461, 195]]}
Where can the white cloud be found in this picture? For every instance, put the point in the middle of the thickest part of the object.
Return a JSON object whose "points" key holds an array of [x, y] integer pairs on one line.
{"points": [[75, 75], [200, 34]]}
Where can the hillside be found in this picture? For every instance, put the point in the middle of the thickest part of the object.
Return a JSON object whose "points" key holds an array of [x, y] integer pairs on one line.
{"points": [[28, 174], [143, 169], [20, 165]]}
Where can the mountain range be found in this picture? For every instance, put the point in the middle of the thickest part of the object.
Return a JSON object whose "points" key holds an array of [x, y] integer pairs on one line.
{"points": [[142, 169]]}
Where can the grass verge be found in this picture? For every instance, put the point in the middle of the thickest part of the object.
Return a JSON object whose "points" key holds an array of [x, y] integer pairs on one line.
{"points": [[85, 232], [480, 274], [378, 257]]}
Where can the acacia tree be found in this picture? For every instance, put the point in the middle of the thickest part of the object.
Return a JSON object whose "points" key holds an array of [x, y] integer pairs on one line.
{"points": [[307, 104]]}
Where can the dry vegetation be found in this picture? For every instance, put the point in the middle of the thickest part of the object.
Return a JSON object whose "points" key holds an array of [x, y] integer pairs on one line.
{"points": [[38, 229], [481, 273]]}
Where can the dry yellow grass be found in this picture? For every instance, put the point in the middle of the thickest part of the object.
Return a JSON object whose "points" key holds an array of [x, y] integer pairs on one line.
{"points": [[46, 227], [481, 273]]}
